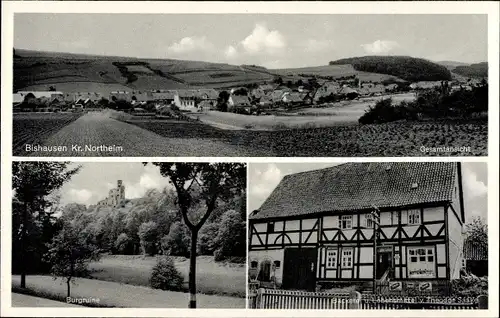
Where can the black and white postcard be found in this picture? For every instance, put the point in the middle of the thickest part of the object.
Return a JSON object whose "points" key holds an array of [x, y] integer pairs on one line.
{"points": [[249, 85]]}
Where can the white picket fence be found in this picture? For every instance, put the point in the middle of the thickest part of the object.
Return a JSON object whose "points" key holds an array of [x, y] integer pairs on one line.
{"points": [[285, 299]]}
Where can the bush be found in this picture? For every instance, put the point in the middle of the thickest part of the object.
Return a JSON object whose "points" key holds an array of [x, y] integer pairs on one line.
{"points": [[165, 275], [148, 234], [178, 240], [469, 286], [124, 244], [207, 239], [382, 112], [231, 237]]}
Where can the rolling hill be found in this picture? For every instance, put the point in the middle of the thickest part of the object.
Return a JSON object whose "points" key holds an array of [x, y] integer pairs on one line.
{"points": [[478, 70], [35, 70], [405, 67]]}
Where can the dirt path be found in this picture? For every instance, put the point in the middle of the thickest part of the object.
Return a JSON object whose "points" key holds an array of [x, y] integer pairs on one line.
{"points": [[19, 300], [96, 134], [126, 296]]}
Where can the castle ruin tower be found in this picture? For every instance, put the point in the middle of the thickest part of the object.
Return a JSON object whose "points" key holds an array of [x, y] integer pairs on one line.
{"points": [[121, 191]]}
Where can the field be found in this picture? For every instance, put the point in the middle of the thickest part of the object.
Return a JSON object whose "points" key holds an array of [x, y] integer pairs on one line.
{"points": [[78, 72], [335, 71], [111, 294], [34, 128], [211, 277], [390, 139], [73, 73], [339, 113]]}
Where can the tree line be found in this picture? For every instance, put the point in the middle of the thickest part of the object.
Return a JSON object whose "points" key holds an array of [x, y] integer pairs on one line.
{"points": [[405, 67], [436, 103]]}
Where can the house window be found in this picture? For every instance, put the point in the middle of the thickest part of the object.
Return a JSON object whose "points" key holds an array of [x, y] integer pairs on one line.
{"points": [[414, 216], [270, 227], [277, 264], [331, 258], [421, 262], [254, 264], [369, 221], [347, 258], [346, 222]]}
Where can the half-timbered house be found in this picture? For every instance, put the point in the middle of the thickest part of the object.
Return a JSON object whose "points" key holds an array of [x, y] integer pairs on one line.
{"points": [[318, 226]]}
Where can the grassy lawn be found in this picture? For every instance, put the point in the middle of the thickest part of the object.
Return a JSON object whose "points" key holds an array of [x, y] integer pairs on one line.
{"points": [[20, 300], [111, 294], [211, 277]]}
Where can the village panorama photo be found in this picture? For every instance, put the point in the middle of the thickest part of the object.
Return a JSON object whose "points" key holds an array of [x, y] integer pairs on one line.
{"points": [[384, 235], [129, 235], [250, 85]]}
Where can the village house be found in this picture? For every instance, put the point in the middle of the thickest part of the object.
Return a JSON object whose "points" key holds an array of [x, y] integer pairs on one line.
{"points": [[292, 99], [140, 96], [371, 89], [391, 87], [206, 105], [120, 95], [185, 99], [163, 98], [306, 98], [327, 89], [348, 92], [116, 196], [317, 227], [207, 94], [266, 102], [425, 85], [238, 102], [261, 91]]}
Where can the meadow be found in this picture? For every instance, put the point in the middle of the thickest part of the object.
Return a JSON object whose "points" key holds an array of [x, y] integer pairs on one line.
{"points": [[228, 279]]}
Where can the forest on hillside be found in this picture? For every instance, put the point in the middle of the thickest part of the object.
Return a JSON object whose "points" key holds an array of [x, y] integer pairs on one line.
{"points": [[474, 70], [408, 68]]}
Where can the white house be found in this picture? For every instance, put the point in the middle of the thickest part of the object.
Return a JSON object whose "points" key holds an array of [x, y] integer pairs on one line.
{"points": [[317, 227]]}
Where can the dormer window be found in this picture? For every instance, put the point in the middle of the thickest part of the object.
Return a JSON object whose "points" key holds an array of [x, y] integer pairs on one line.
{"points": [[414, 185]]}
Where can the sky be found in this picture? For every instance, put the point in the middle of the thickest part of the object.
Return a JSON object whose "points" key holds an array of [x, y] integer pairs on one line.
{"points": [[264, 177], [270, 40], [94, 180]]}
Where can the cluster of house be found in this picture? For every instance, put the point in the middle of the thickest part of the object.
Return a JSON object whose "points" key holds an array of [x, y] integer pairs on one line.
{"points": [[186, 99], [363, 222], [264, 96], [269, 95]]}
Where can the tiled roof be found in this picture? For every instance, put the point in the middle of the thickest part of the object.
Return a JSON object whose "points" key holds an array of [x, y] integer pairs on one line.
{"points": [[357, 186], [240, 100], [163, 95], [292, 98]]}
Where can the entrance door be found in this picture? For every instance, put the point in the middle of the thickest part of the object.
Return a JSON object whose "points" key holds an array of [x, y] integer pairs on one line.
{"points": [[299, 268], [384, 261]]}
